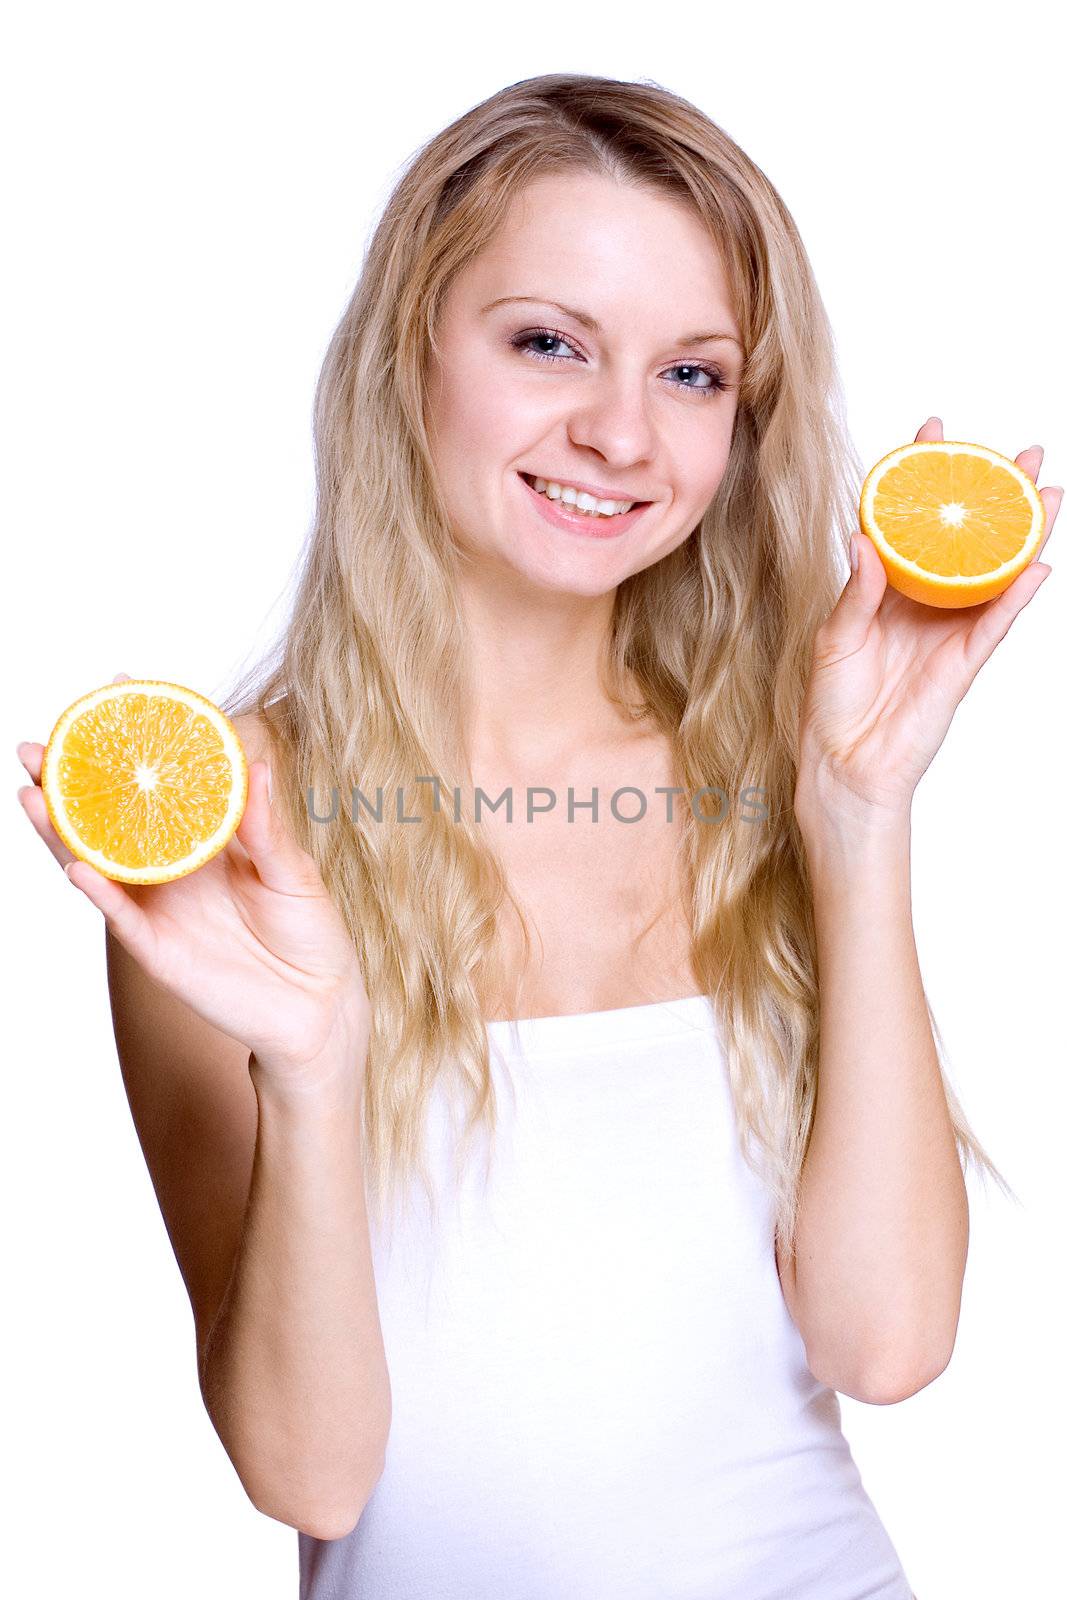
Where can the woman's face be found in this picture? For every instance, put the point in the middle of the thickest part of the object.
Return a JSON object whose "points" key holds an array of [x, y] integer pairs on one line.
{"points": [[640, 407]]}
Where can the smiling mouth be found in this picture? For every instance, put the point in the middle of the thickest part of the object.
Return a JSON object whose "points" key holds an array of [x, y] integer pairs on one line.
{"points": [[528, 478]]}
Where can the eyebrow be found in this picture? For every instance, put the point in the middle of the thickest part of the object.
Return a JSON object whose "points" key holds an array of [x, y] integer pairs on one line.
{"points": [[590, 322]]}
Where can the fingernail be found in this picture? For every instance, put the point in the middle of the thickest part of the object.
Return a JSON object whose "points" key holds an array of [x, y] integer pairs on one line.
{"points": [[853, 554], [19, 748], [66, 869]]}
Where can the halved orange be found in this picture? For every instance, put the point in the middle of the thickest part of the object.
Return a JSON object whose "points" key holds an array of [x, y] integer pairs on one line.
{"points": [[954, 523], [145, 780]]}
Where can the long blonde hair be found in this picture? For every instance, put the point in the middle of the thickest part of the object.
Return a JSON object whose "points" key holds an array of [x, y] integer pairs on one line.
{"points": [[362, 690]]}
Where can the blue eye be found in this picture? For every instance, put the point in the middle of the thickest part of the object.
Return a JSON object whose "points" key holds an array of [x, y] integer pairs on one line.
{"points": [[715, 384]]}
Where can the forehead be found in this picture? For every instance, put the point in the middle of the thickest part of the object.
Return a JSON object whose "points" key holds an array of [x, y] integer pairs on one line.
{"points": [[619, 251]]}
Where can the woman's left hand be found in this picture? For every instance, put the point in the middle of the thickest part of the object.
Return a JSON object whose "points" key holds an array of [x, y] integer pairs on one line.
{"points": [[888, 674]]}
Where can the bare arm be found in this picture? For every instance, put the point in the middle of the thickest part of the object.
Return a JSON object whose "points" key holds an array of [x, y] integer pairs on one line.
{"points": [[254, 1154], [293, 1370], [883, 1222]]}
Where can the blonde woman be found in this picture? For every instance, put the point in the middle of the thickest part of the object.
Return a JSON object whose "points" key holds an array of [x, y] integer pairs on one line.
{"points": [[539, 1177]]}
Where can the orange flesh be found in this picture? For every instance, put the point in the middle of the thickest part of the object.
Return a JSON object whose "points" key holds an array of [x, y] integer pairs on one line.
{"points": [[144, 787], [995, 517]]}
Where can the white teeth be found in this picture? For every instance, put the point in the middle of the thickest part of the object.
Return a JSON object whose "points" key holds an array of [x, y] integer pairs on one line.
{"points": [[579, 499]]}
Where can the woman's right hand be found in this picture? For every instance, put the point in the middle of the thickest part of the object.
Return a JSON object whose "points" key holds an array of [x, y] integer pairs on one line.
{"points": [[251, 940]]}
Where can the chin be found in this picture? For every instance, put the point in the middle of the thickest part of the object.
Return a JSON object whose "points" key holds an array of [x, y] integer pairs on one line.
{"points": [[573, 577]]}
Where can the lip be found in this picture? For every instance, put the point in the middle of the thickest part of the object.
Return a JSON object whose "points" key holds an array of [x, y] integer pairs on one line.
{"points": [[579, 522]]}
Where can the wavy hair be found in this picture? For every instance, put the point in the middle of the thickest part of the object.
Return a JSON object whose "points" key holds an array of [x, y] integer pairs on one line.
{"points": [[363, 689]]}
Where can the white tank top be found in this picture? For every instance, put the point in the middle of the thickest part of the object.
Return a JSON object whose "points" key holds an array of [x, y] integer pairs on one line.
{"points": [[597, 1388]]}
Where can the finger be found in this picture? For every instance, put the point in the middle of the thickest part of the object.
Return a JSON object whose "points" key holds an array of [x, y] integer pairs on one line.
{"points": [[126, 919], [31, 800], [31, 755], [931, 430], [990, 628], [123, 915], [1030, 460], [276, 856], [1053, 499], [848, 624]]}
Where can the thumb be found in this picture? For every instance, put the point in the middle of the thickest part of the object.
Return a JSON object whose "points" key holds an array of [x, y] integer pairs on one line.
{"points": [[275, 854], [846, 627]]}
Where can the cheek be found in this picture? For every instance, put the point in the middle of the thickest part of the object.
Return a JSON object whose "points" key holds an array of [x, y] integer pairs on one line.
{"points": [[710, 485], [492, 434], [710, 462], [475, 423]]}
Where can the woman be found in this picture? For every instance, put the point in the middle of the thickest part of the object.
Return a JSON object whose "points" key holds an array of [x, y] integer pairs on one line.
{"points": [[605, 1363]]}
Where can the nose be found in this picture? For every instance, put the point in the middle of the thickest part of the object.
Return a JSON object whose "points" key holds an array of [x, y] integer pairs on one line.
{"points": [[613, 419]]}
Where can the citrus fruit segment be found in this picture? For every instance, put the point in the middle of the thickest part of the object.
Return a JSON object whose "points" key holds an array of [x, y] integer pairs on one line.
{"points": [[954, 523], [144, 780]]}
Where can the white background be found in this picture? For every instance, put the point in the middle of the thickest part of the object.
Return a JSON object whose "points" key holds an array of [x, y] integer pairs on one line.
{"points": [[188, 194]]}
